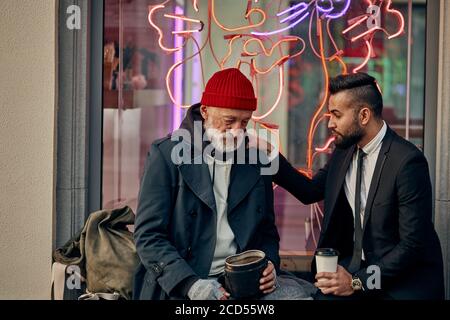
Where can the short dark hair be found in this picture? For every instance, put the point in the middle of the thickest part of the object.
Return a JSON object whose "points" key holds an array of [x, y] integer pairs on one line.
{"points": [[363, 88]]}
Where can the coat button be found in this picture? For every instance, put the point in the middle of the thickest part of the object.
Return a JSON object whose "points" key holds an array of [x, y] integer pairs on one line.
{"points": [[189, 252], [193, 213], [260, 209]]}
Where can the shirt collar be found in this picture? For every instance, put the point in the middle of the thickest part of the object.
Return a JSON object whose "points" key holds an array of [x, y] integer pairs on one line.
{"points": [[210, 160], [376, 141]]}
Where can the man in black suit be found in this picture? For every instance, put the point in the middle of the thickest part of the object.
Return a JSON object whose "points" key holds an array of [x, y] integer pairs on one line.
{"points": [[385, 180]]}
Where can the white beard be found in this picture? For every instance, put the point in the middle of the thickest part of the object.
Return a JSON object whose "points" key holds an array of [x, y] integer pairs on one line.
{"points": [[224, 142]]}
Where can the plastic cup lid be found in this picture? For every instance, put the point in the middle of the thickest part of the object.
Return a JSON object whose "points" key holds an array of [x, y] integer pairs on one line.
{"points": [[326, 252]]}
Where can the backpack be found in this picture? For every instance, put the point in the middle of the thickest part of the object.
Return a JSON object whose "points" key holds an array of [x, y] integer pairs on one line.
{"points": [[105, 255]]}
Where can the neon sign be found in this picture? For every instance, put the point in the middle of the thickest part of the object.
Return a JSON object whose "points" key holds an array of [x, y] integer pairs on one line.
{"points": [[251, 41]]}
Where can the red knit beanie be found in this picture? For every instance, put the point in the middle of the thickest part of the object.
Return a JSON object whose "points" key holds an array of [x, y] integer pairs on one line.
{"points": [[229, 88]]}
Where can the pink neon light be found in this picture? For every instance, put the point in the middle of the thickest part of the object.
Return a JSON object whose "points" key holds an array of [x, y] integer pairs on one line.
{"points": [[173, 67], [184, 31], [301, 4], [181, 17], [325, 10], [247, 16], [280, 61], [340, 14], [365, 33], [369, 54], [373, 30], [354, 25], [152, 10], [314, 50], [178, 74], [275, 46], [160, 34], [230, 51], [295, 15], [310, 35], [195, 5], [280, 92], [283, 29], [400, 16], [197, 71], [333, 42], [327, 145], [378, 86]]}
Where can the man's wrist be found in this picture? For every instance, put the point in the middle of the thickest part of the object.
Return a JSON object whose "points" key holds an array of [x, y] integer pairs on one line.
{"points": [[356, 283], [205, 289], [183, 287]]}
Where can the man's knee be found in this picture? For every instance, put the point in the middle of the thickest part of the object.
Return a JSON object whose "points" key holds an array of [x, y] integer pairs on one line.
{"points": [[291, 289]]}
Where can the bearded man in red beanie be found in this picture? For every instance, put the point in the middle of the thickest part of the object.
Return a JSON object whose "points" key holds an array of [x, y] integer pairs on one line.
{"points": [[196, 208]]}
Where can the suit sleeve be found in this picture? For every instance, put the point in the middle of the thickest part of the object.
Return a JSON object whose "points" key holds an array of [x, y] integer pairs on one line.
{"points": [[414, 209], [305, 189], [156, 252]]}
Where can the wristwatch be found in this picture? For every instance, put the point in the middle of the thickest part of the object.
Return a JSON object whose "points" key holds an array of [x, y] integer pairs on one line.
{"points": [[357, 284]]}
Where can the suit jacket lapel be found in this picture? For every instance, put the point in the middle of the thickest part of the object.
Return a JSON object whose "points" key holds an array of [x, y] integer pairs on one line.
{"points": [[342, 171], [382, 156]]}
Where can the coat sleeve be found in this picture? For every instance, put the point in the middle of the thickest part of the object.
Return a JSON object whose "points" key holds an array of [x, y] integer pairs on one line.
{"points": [[305, 189], [414, 218], [157, 254], [270, 239]]}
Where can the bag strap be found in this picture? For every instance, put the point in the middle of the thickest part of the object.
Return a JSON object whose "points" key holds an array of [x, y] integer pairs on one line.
{"points": [[58, 280]]}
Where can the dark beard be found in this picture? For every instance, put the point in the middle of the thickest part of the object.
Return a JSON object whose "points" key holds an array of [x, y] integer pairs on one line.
{"points": [[352, 138]]}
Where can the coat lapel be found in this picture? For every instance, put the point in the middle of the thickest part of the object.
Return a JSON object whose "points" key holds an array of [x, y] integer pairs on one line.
{"points": [[198, 178], [382, 156]]}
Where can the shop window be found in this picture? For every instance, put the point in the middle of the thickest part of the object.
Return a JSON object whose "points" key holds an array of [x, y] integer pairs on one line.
{"points": [[138, 107]]}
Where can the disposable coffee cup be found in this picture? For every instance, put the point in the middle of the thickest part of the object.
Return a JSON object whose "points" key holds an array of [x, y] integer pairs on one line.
{"points": [[326, 260]]}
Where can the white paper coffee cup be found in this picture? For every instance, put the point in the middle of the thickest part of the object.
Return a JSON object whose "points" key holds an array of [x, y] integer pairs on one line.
{"points": [[326, 260]]}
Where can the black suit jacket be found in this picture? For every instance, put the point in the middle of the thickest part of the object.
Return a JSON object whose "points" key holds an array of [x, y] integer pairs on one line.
{"points": [[398, 232]]}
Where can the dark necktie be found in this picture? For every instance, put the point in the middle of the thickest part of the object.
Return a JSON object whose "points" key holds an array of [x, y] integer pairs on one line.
{"points": [[357, 246]]}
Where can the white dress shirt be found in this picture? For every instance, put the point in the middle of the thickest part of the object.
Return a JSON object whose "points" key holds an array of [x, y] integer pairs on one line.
{"points": [[372, 149], [225, 240]]}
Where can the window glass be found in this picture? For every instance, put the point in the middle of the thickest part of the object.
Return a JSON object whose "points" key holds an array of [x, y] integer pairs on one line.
{"points": [[138, 108]]}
